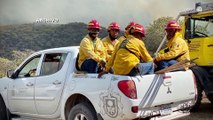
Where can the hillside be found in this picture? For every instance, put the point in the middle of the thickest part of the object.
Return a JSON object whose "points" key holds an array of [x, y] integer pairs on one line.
{"points": [[19, 41], [41, 36]]}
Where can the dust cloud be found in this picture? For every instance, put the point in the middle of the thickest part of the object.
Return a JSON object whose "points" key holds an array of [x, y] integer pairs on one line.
{"points": [[105, 11]]}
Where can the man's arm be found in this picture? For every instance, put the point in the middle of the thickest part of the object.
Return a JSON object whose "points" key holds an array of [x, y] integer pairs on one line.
{"points": [[173, 52]]}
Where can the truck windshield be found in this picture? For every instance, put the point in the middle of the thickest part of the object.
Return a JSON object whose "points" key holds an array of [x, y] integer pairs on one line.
{"points": [[201, 27]]}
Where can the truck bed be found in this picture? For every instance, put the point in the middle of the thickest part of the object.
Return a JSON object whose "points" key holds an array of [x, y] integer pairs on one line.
{"points": [[163, 94]]}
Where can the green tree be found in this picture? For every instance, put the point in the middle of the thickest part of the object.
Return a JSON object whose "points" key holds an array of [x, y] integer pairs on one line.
{"points": [[155, 33], [17, 58], [41, 36], [20, 56], [5, 65]]}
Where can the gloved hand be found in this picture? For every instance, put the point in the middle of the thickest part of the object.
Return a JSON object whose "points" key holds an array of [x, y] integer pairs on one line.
{"points": [[102, 73], [155, 66], [102, 63], [154, 60]]}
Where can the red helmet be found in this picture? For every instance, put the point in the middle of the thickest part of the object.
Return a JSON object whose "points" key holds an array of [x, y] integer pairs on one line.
{"points": [[130, 25], [93, 24], [138, 28], [113, 26], [173, 25]]}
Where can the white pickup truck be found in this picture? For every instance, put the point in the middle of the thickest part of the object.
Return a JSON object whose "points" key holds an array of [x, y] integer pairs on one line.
{"points": [[48, 86]]}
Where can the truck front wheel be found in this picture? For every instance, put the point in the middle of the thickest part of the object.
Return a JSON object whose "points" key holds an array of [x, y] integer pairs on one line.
{"points": [[210, 97], [82, 111], [199, 77], [196, 106], [3, 110]]}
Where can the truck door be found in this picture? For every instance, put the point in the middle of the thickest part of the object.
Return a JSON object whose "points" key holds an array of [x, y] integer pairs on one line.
{"points": [[201, 40], [49, 84], [21, 89]]}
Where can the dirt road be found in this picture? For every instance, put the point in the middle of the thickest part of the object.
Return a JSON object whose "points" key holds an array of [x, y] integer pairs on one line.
{"points": [[205, 112]]}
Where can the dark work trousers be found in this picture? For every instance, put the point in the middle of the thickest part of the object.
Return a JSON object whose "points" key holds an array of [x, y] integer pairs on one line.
{"points": [[90, 66]]}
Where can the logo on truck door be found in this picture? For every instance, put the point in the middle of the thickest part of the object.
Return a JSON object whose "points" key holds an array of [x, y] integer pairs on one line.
{"points": [[110, 104]]}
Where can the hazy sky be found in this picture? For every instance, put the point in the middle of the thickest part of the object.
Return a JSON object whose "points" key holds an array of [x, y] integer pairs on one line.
{"points": [[105, 11]]}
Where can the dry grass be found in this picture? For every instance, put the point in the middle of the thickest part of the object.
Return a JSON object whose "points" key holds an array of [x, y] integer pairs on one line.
{"points": [[205, 112]]}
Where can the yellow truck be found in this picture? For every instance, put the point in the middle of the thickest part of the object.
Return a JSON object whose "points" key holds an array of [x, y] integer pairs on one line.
{"points": [[197, 30]]}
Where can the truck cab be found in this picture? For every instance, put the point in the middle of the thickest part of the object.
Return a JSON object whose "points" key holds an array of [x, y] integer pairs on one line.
{"points": [[197, 30]]}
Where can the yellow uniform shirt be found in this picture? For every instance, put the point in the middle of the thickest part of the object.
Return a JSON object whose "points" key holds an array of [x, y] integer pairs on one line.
{"points": [[91, 49], [177, 47], [123, 61], [109, 45]]}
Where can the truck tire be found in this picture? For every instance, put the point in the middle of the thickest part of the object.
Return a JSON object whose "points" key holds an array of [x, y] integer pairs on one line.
{"points": [[3, 110], [82, 111], [196, 70], [210, 97], [196, 106]]}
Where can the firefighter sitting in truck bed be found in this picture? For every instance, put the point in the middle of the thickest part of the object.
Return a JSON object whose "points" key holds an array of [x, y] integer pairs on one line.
{"points": [[110, 41], [177, 49], [92, 54], [129, 54]]}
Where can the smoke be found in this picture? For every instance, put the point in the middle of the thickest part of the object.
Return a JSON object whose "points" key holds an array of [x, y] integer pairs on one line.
{"points": [[105, 11]]}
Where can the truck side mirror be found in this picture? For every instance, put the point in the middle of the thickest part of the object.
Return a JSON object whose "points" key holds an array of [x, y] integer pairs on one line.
{"points": [[10, 73]]}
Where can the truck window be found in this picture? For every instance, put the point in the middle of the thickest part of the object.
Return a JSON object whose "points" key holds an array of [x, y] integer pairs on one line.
{"points": [[52, 63], [29, 69], [201, 27]]}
